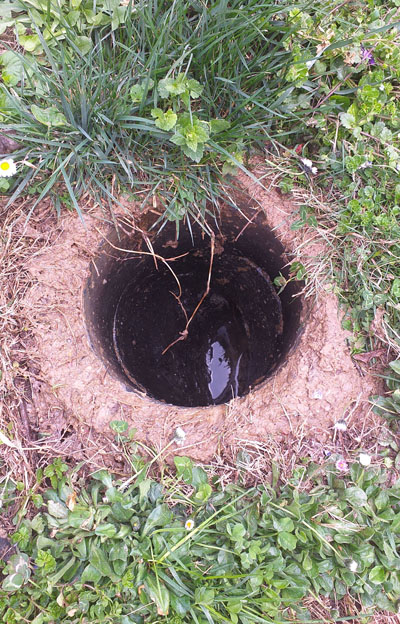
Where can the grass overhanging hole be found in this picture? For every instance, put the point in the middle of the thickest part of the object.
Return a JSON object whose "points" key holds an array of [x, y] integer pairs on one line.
{"points": [[197, 320]]}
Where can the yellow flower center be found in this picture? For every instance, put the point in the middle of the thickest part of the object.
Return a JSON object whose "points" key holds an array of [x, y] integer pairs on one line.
{"points": [[5, 166]]}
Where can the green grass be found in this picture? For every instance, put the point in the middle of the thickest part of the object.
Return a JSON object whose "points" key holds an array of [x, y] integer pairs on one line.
{"points": [[318, 81], [388, 405], [95, 138], [347, 103], [120, 552], [107, 550]]}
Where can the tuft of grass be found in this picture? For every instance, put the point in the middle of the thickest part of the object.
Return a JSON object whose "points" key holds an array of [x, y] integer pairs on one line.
{"points": [[82, 131]]}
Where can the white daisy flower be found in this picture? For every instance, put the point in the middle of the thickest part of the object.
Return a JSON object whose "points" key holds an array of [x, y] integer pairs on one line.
{"points": [[189, 525], [365, 460], [8, 168], [307, 163], [342, 465]]}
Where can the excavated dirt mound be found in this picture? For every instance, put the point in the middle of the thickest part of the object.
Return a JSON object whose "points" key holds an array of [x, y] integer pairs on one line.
{"points": [[318, 385]]}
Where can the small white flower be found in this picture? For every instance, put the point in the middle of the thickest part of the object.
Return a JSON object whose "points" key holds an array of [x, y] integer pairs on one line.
{"points": [[340, 425], [189, 525], [8, 168], [353, 565], [342, 465], [365, 164], [307, 163], [365, 460], [180, 435]]}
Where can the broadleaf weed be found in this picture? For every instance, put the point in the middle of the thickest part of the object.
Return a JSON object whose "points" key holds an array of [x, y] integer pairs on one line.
{"points": [[237, 554]]}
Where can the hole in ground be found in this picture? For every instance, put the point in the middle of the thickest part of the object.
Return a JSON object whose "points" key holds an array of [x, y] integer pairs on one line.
{"points": [[145, 323]]}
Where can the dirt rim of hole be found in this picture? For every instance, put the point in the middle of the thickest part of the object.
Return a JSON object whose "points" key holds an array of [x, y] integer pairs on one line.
{"points": [[171, 355], [318, 386]]}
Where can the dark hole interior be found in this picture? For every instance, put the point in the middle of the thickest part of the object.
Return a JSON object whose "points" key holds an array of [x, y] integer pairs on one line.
{"points": [[137, 310]]}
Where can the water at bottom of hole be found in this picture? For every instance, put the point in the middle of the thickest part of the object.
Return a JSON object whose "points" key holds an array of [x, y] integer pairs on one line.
{"points": [[232, 341]]}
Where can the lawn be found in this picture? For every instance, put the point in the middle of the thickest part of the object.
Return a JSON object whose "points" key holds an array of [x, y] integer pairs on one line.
{"points": [[112, 103]]}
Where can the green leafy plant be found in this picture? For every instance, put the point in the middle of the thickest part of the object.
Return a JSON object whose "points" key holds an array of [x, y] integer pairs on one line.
{"points": [[55, 18], [150, 98], [344, 92], [189, 132], [180, 549], [389, 406], [55, 471], [11, 68], [8, 491]]}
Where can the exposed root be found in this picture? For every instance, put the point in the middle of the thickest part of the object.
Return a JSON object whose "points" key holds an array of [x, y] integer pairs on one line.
{"points": [[184, 334]]}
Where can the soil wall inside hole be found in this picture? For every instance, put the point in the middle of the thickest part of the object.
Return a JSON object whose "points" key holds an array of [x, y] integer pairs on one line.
{"points": [[318, 385], [205, 325]]}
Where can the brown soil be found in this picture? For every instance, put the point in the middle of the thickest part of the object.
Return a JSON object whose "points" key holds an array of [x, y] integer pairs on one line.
{"points": [[8, 40], [319, 385], [56, 399]]}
